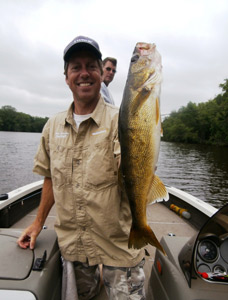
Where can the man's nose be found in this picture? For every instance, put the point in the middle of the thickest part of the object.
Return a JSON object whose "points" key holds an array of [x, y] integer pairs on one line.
{"points": [[84, 72]]}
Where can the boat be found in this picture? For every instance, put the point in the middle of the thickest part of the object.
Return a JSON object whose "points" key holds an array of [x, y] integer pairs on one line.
{"points": [[193, 233]]}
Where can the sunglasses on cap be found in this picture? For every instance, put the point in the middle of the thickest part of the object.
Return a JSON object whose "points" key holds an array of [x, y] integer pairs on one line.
{"points": [[110, 69]]}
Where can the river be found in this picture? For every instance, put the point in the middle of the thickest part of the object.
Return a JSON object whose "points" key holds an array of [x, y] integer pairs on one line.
{"points": [[197, 169]]}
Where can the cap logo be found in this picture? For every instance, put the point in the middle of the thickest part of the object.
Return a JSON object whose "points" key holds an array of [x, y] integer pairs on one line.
{"points": [[83, 41]]}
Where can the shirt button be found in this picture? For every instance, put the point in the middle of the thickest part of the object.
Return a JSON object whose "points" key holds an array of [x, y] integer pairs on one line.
{"points": [[77, 185]]}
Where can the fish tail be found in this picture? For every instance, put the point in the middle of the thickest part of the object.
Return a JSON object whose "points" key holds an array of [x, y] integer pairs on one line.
{"points": [[140, 237]]}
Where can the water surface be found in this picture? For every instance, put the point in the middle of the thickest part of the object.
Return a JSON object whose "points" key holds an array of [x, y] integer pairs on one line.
{"points": [[200, 170], [197, 169]]}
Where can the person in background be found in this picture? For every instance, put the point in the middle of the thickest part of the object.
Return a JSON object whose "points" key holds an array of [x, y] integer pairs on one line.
{"points": [[109, 71], [78, 156]]}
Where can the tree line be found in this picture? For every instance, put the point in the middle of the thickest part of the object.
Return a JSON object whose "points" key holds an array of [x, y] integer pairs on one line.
{"points": [[11, 120], [204, 123]]}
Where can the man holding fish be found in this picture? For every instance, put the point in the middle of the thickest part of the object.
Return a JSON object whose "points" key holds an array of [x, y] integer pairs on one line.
{"points": [[78, 156]]}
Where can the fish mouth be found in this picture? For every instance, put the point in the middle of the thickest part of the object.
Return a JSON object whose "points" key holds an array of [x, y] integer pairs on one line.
{"points": [[144, 49], [143, 46], [142, 56]]}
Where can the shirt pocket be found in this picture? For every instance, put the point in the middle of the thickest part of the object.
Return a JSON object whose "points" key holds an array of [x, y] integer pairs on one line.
{"points": [[100, 166], [61, 164]]}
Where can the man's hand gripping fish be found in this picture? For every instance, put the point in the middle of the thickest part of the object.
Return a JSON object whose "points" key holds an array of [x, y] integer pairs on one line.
{"points": [[139, 136]]}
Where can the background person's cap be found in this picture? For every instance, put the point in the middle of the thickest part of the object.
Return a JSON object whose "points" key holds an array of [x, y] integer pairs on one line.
{"points": [[81, 42]]}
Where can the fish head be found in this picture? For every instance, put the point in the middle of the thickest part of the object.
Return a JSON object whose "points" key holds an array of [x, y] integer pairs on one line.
{"points": [[145, 63], [144, 78]]}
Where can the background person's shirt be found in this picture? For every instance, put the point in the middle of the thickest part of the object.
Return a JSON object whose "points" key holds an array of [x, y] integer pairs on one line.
{"points": [[105, 93]]}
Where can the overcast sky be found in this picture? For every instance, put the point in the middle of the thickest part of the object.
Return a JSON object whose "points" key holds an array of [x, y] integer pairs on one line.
{"points": [[191, 36]]}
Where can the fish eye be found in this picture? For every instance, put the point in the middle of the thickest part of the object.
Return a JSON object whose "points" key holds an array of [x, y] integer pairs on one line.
{"points": [[134, 58]]}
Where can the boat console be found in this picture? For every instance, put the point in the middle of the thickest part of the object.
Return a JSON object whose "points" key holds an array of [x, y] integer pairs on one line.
{"points": [[211, 257], [195, 268], [30, 274]]}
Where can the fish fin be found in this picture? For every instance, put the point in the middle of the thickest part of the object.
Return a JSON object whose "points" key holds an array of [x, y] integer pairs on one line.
{"points": [[140, 237], [140, 98], [157, 191]]}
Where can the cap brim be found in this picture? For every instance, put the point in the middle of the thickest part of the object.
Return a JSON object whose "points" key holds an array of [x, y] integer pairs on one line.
{"points": [[81, 46]]}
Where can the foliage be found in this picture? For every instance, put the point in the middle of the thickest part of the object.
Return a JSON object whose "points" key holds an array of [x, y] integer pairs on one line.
{"points": [[205, 123], [11, 120]]}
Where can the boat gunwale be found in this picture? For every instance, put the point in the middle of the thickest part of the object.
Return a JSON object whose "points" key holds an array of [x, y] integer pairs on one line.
{"points": [[193, 201], [204, 207], [20, 193]]}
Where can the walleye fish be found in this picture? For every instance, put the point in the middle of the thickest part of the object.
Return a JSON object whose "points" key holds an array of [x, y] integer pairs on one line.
{"points": [[139, 136]]}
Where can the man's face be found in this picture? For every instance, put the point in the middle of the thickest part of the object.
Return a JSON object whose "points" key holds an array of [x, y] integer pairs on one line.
{"points": [[84, 77], [109, 72]]}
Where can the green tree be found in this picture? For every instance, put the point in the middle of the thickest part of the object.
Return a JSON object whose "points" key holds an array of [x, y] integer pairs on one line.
{"points": [[8, 117], [11, 120], [202, 123]]}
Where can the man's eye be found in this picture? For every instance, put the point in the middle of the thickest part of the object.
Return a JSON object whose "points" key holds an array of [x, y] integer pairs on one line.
{"points": [[76, 68], [92, 67]]}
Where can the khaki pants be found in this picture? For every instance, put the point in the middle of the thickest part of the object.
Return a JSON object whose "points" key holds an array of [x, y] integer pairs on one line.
{"points": [[120, 283]]}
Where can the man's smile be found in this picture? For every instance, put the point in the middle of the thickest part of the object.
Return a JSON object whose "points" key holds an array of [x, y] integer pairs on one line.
{"points": [[84, 84]]}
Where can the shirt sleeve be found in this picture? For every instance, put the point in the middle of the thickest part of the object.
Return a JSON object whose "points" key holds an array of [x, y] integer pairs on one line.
{"points": [[42, 157]]}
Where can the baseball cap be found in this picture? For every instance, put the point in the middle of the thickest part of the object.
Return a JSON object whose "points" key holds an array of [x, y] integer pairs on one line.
{"points": [[81, 42]]}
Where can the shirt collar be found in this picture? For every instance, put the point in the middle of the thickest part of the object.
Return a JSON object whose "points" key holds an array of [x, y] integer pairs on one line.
{"points": [[98, 111], [69, 117], [96, 114]]}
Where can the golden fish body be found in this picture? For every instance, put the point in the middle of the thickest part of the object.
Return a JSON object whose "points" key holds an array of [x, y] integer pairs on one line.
{"points": [[139, 136]]}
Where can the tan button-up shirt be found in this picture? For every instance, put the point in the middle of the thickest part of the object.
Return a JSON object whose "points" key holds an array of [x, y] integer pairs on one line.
{"points": [[93, 219]]}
